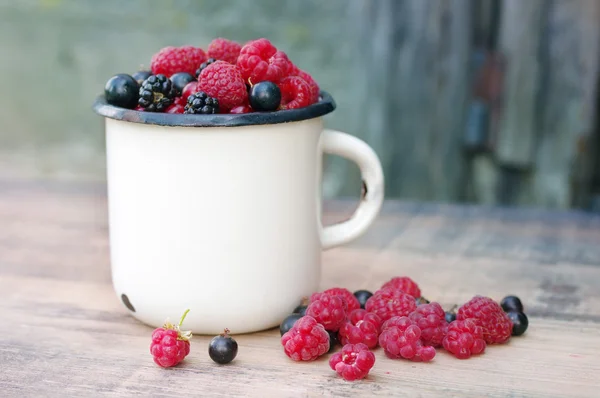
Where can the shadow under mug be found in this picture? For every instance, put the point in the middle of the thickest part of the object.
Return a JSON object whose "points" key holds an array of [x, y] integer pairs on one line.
{"points": [[221, 214]]}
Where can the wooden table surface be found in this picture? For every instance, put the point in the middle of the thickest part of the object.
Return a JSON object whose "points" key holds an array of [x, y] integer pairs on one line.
{"points": [[65, 333]]}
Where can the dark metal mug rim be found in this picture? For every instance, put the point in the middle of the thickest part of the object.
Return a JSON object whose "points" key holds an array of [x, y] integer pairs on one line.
{"points": [[325, 105]]}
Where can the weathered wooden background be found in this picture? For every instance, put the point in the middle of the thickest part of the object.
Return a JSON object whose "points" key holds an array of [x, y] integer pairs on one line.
{"points": [[487, 101]]}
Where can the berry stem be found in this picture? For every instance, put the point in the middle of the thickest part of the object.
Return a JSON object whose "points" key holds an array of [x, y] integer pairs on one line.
{"points": [[183, 317]]}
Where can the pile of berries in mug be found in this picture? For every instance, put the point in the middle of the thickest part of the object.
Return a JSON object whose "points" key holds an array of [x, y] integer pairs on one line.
{"points": [[226, 78], [397, 318]]}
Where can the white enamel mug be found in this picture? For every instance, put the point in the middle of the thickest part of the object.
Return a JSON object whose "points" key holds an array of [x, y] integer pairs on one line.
{"points": [[221, 214]]}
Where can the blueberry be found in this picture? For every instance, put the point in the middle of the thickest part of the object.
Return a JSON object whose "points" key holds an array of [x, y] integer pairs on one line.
{"points": [[450, 316], [511, 303], [122, 90], [520, 322], [301, 309], [333, 340], [288, 322], [141, 75], [265, 97], [362, 296], [223, 348], [180, 80]]}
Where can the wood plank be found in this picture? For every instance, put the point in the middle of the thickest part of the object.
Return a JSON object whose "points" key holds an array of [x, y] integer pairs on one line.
{"points": [[66, 333]]}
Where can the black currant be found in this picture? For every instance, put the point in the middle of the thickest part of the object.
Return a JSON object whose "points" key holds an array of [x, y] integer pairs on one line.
{"points": [[223, 348], [141, 75], [301, 309], [122, 90], [520, 322], [265, 97], [333, 340], [288, 322], [450, 316], [362, 296], [180, 80], [511, 303]]}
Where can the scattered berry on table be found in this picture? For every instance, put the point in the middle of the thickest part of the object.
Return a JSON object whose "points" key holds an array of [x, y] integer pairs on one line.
{"points": [[404, 283], [265, 97], [362, 296], [189, 89], [306, 340], [156, 93], [353, 362], [171, 60], [301, 309], [180, 80], [497, 326], [224, 50], [200, 103], [464, 338], [431, 319], [402, 339], [391, 302], [295, 93], [360, 314], [288, 322], [520, 322], [203, 65], [328, 310], [351, 301], [363, 331], [176, 108], [223, 348], [122, 90], [141, 75], [169, 344], [259, 60], [511, 303], [223, 81], [333, 340]]}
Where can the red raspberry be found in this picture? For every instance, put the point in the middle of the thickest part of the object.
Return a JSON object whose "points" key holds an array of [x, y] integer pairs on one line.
{"points": [[405, 284], [314, 87], [431, 319], [139, 108], [353, 362], [351, 300], [329, 311], [363, 315], [259, 60], [390, 302], [171, 60], [224, 50], [223, 81], [169, 344], [241, 109], [497, 326], [363, 331], [402, 339], [464, 338], [295, 93], [306, 340], [175, 108]]}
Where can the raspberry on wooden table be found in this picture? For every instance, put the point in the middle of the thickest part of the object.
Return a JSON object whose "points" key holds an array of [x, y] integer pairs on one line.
{"points": [[224, 50], [464, 338], [496, 325], [351, 300], [169, 344], [295, 93], [431, 319], [404, 283], [259, 60], [223, 81], [401, 338], [171, 60], [353, 362], [389, 302], [306, 340], [363, 315], [328, 310], [362, 332]]}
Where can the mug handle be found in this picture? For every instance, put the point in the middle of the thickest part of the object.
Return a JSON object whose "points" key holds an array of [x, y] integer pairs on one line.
{"points": [[349, 147]]}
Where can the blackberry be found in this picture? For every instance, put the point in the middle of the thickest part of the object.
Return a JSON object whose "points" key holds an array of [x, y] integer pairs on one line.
{"points": [[362, 296], [520, 322], [288, 322], [223, 348], [156, 93], [204, 65], [180, 80], [511, 303], [141, 75], [201, 103], [121, 90], [265, 97]]}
